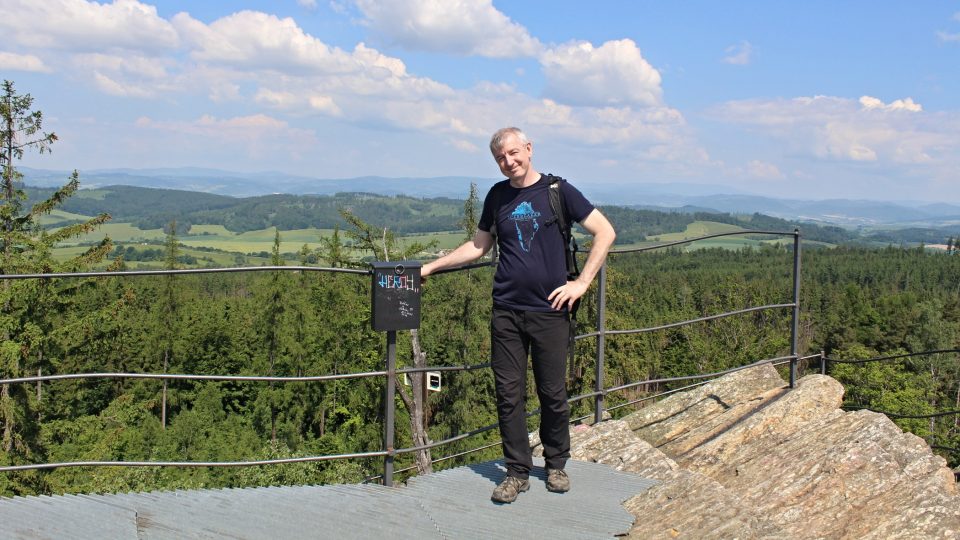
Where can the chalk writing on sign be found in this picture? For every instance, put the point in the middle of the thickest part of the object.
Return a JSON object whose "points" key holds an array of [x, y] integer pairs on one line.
{"points": [[395, 295], [402, 282]]}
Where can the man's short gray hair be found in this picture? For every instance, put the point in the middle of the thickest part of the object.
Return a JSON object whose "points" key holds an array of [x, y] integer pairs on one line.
{"points": [[496, 142]]}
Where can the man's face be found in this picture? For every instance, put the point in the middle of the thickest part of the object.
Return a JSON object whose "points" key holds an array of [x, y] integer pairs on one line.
{"points": [[513, 158]]}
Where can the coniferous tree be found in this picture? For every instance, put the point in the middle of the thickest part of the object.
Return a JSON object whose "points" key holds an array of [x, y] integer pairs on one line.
{"points": [[332, 249], [274, 309], [168, 311], [470, 217], [25, 248], [384, 246]]}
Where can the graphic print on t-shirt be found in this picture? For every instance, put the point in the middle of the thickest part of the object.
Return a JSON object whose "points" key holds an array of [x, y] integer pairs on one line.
{"points": [[525, 219]]}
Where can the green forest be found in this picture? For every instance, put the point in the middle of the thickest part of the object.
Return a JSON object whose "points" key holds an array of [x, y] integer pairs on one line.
{"points": [[856, 303]]}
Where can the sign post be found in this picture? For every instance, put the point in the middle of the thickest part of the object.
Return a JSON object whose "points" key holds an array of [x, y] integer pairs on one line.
{"points": [[394, 305]]}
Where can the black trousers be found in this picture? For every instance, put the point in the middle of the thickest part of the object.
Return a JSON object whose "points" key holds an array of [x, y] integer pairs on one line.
{"points": [[544, 336]]}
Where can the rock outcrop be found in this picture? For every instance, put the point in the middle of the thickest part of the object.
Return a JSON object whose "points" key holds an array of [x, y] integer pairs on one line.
{"points": [[746, 457]]}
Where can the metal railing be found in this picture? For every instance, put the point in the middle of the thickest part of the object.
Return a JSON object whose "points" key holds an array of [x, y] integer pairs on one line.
{"points": [[602, 331], [933, 442], [390, 372]]}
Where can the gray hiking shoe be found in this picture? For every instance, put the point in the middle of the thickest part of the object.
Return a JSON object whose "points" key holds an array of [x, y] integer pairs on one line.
{"points": [[558, 481], [508, 490]]}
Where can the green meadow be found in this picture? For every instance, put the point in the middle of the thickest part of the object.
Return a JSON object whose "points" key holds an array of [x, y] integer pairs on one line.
{"points": [[251, 247], [706, 228], [231, 248]]}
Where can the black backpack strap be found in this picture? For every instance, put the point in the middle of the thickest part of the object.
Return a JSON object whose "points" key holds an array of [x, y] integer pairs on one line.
{"points": [[495, 194], [559, 207]]}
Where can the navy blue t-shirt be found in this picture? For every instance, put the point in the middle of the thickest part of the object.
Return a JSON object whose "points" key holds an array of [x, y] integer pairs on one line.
{"points": [[532, 258]]}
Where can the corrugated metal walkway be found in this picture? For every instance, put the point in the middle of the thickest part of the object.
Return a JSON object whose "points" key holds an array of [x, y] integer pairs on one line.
{"points": [[449, 504]]}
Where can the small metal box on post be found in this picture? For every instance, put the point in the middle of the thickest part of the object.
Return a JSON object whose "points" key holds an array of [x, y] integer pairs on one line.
{"points": [[394, 305]]}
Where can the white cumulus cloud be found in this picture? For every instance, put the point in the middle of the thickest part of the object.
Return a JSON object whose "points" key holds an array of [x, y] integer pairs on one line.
{"points": [[277, 77], [253, 140], [907, 104], [253, 126], [141, 66], [275, 99], [293, 101], [740, 54], [465, 27], [130, 74], [246, 131], [78, 25], [947, 36], [465, 146], [22, 62], [764, 170], [325, 104], [863, 130], [114, 87], [255, 40], [950, 36], [123, 48], [613, 74]]}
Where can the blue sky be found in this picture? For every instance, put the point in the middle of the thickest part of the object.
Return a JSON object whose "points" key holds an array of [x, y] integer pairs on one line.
{"points": [[812, 100]]}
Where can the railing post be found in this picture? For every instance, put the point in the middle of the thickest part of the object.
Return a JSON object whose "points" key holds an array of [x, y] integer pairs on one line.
{"points": [[388, 407], [823, 362], [601, 335], [795, 326]]}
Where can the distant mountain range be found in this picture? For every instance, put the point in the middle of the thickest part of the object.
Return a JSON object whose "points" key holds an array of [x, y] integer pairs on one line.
{"points": [[682, 197]]}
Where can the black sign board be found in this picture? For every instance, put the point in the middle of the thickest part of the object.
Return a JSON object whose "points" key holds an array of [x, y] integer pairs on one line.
{"points": [[395, 295]]}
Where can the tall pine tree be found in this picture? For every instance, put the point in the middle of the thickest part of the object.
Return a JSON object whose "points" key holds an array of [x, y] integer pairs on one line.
{"points": [[25, 306]]}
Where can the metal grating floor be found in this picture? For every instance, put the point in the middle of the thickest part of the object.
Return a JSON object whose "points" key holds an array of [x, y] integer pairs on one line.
{"points": [[453, 504]]}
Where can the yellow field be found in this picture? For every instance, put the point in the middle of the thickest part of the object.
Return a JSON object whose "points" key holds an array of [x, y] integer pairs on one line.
{"points": [[218, 230], [698, 228], [445, 240], [122, 232], [218, 237], [204, 258]]}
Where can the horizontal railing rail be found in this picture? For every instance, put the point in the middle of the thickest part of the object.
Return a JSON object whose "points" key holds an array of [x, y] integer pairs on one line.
{"points": [[188, 377], [465, 267], [226, 270], [887, 358], [687, 322], [236, 378], [825, 360], [781, 359], [774, 362], [699, 238], [904, 416], [188, 464]]}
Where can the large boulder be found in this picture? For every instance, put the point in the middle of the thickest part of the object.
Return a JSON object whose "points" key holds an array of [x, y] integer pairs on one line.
{"points": [[745, 456], [683, 502]]}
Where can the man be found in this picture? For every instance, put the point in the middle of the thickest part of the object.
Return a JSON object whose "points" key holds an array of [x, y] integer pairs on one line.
{"points": [[531, 303]]}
